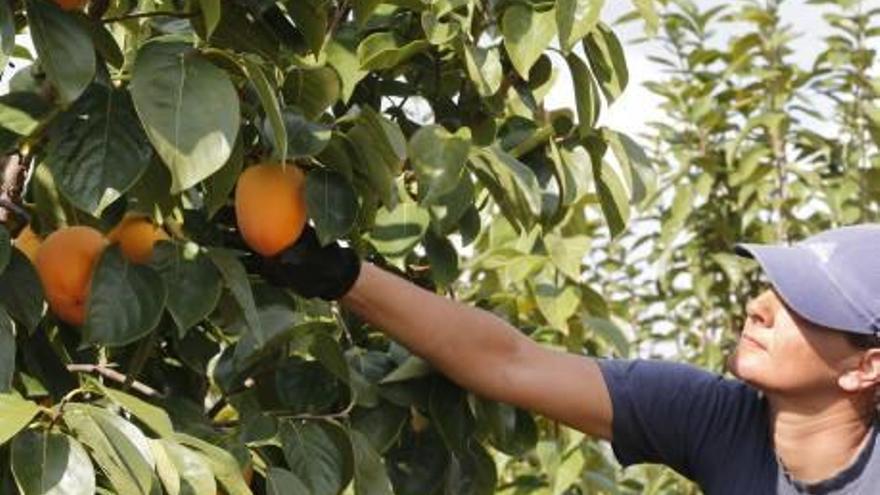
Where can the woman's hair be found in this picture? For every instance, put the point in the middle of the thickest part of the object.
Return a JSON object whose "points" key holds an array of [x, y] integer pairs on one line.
{"points": [[863, 341]]}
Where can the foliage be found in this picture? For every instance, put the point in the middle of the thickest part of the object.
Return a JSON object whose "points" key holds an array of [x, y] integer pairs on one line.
{"points": [[752, 147], [422, 130], [427, 146]]}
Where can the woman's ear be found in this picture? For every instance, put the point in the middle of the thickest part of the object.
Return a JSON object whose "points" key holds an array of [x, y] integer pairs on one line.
{"points": [[865, 375]]}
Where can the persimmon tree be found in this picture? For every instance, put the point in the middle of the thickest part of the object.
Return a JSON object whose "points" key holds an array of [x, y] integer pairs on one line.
{"points": [[420, 130]]}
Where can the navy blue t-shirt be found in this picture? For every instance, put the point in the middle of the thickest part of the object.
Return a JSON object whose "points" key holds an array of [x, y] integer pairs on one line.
{"points": [[712, 430]]}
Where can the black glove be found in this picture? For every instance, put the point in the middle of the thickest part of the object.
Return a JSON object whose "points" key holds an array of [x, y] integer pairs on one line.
{"points": [[311, 270]]}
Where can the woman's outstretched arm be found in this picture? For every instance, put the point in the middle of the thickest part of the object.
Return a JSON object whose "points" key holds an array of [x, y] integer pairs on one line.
{"points": [[483, 353]]}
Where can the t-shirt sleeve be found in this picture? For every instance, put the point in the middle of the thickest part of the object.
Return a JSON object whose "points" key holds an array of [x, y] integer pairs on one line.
{"points": [[673, 414]]}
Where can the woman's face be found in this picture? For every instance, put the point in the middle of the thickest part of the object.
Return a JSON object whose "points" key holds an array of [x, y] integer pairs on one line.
{"points": [[780, 352]]}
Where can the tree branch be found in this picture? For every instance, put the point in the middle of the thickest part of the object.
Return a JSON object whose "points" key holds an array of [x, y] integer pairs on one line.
{"points": [[13, 173], [141, 15], [114, 375]]}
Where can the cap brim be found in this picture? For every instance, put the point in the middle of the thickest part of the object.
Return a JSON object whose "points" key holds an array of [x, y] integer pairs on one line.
{"points": [[804, 285]]}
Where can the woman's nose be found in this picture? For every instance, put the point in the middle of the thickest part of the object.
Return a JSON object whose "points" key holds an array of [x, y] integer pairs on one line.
{"points": [[759, 309]]}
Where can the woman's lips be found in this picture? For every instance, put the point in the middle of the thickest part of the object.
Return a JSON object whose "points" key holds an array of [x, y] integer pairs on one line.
{"points": [[753, 342]]}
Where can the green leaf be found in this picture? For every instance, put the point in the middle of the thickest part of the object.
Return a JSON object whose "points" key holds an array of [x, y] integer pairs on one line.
{"points": [[332, 204], [450, 414], [105, 43], [125, 301], [370, 477], [471, 472], [363, 9], [283, 482], [682, 206], [279, 322], [304, 137], [329, 353], [576, 18], [7, 352], [610, 332], [193, 282], [310, 17], [236, 279], [419, 462], [607, 60], [513, 185], [448, 209], [5, 247], [443, 258], [510, 429], [21, 291], [382, 425], [22, 112], [568, 471], [342, 55], [98, 149], [319, 453], [397, 231], [119, 448], [612, 197], [382, 50], [226, 469], [527, 33], [340, 155], [47, 463], [166, 471], [649, 14], [312, 90], [154, 417], [220, 185], [567, 253], [557, 304], [189, 109], [438, 158], [586, 93], [64, 47], [195, 475], [7, 34], [16, 413], [269, 100], [381, 149], [640, 177], [240, 31], [412, 367], [438, 32], [302, 387], [484, 69], [211, 12]]}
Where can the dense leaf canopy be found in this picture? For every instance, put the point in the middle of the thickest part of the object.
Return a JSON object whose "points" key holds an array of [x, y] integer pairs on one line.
{"points": [[427, 145]]}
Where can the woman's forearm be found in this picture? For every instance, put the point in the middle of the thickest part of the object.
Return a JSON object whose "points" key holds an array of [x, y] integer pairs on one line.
{"points": [[471, 346]]}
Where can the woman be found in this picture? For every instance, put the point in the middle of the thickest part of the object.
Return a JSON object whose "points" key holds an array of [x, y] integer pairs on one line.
{"points": [[800, 417]]}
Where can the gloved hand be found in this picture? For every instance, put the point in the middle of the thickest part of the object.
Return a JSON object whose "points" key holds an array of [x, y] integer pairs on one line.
{"points": [[312, 270]]}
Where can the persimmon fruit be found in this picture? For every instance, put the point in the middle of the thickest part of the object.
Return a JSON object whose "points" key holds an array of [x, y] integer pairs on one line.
{"points": [[136, 236], [270, 207], [65, 262], [28, 242]]}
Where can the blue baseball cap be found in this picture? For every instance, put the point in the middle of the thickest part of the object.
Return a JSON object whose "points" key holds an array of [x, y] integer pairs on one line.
{"points": [[831, 279]]}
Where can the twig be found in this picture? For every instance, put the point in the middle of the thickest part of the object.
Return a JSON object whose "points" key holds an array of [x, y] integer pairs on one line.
{"points": [[341, 13], [114, 375], [14, 208], [141, 15], [341, 414], [13, 173]]}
